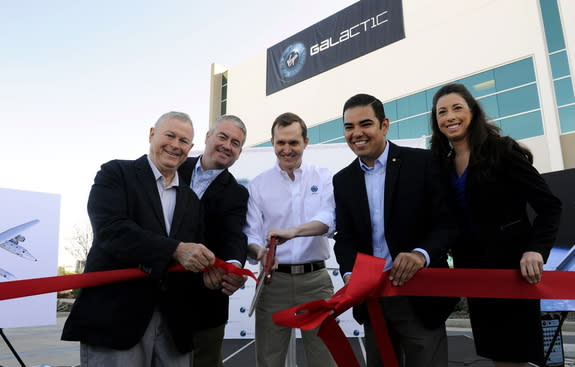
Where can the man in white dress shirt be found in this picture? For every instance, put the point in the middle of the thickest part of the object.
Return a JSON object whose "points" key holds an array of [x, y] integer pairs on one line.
{"points": [[293, 202]]}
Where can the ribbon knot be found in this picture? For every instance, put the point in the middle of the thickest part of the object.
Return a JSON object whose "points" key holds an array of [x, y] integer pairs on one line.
{"points": [[368, 282]]}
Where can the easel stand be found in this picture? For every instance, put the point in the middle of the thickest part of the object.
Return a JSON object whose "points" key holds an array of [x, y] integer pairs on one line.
{"points": [[555, 336], [11, 348]]}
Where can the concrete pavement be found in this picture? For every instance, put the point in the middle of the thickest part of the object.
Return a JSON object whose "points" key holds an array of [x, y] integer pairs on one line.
{"points": [[42, 345]]}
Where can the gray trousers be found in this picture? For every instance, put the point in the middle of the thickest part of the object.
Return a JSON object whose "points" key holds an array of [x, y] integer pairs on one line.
{"points": [[156, 348], [415, 346], [285, 291]]}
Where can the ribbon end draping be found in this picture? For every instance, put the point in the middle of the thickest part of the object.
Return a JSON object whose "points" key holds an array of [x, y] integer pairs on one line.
{"points": [[381, 333], [337, 343]]}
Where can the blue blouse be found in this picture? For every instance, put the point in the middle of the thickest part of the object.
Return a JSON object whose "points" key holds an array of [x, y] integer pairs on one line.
{"points": [[458, 183]]}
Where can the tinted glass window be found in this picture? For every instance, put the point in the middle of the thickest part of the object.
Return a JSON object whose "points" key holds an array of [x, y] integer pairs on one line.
{"points": [[518, 100], [564, 91], [567, 116], [512, 75], [524, 126]]}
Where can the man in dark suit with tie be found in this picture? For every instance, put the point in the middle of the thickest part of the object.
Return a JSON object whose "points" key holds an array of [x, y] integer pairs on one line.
{"points": [[389, 204], [143, 215], [225, 204]]}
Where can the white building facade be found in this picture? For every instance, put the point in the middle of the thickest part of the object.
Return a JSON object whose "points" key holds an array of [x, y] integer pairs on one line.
{"points": [[516, 56]]}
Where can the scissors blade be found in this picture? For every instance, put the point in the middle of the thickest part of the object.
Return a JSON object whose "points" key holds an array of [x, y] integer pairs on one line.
{"points": [[266, 274], [257, 294]]}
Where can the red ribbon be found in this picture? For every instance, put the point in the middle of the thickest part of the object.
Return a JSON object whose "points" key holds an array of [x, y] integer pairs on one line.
{"points": [[369, 282], [31, 287]]}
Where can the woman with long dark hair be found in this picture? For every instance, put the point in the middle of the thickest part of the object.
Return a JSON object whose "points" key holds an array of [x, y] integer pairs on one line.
{"points": [[491, 180]]}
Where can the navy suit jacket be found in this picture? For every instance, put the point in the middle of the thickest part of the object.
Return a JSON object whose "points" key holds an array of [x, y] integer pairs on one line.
{"points": [[415, 216], [225, 205], [129, 232]]}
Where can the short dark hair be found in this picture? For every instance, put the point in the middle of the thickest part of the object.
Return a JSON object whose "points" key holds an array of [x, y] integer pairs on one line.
{"points": [[366, 100], [288, 118], [235, 120]]}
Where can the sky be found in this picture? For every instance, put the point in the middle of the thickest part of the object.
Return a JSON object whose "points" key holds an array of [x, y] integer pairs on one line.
{"points": [[81, 82]]}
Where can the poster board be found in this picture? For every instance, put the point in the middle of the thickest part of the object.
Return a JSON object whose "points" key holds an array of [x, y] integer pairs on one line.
{"points": [[29, 224], [562, 255]]}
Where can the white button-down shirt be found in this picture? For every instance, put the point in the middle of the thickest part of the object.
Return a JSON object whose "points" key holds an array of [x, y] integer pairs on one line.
{"points": [[167, 194], [278, 202]]}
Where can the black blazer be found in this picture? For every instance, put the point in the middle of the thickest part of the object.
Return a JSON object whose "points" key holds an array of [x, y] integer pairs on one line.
{"points": [[415, 216], [225, 206], [129, 231], [500, 228]]}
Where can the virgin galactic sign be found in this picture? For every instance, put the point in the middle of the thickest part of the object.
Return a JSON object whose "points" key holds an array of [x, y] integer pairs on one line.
{"points": [[353, 32]]}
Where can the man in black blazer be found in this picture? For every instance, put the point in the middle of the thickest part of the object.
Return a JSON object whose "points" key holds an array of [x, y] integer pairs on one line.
{"points": [[143, 215], [389, 204], [225, 205]]}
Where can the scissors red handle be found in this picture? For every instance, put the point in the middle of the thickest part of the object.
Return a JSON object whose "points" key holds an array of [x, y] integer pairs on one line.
{"points": [[269, 260]]}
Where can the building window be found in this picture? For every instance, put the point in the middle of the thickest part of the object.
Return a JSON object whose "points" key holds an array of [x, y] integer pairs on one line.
{"points": [[224, 94], [562, 81], [552, 24], [508, 94]]}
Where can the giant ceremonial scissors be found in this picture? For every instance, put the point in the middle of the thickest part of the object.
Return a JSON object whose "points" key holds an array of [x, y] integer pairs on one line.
{"points": [[265, 276]]}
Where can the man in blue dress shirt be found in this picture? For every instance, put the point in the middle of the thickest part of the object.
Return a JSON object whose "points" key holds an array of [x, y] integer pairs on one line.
{"points": [[389, 204]]}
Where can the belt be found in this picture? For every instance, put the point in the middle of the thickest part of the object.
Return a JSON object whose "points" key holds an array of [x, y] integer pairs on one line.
{"points": [[300, 268]]}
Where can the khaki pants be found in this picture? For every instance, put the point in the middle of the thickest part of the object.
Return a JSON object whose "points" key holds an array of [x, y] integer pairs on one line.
{"points": [[285, 291]]}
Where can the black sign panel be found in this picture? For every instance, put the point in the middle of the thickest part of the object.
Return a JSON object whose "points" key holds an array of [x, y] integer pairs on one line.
{"points": [[353, 32], [561, 184]]}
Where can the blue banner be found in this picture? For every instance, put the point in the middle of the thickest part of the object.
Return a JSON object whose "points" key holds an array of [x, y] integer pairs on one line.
{"points": [[353, 32]]}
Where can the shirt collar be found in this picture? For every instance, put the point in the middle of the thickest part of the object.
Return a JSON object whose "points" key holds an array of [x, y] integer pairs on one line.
{"points": [[380, 162], [297, 172], [211, 172], [158, 175]]}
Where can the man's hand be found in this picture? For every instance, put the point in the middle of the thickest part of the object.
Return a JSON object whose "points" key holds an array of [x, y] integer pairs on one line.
{"points": [[313, 228], [258, 253], [346, 278], [232, 282], [213, 277], [194, 256], [282, 234], [405, 265], [531, 265]]}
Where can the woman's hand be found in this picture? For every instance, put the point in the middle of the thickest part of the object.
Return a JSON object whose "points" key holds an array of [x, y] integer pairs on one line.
{"points": [[531, 265]]}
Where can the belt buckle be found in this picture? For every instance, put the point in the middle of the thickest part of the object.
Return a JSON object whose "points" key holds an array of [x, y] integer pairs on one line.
{"points": [[298, 269]]}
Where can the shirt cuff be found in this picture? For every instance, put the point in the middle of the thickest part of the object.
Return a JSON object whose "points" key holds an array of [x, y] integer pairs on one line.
{"points": [[250, 259], [328, 220], [425, 254]]}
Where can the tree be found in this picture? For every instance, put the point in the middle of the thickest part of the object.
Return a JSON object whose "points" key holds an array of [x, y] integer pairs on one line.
{"points": [[79, 246]]}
